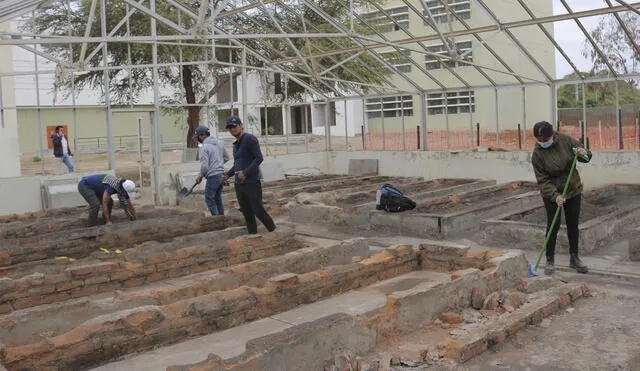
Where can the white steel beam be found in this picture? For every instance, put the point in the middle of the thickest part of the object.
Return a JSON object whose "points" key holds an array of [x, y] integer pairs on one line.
{"points": [[87, 30]]}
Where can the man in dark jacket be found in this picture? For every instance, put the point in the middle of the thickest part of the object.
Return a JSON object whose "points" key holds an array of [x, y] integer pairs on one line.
{"points": [[61, 148], [552, 159], [247, 158]]}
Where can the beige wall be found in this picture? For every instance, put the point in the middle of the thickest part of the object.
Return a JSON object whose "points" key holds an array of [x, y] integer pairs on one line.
{"points": [[510, 101], [9, 151], [92, 122]]}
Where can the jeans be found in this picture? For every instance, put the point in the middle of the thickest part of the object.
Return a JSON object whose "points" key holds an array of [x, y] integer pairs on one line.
{"points": [[94, 200], [572, 219], [213, 194], [67, 161]]}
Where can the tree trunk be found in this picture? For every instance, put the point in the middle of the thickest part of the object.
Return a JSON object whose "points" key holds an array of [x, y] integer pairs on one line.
{"points": [[193, 118]]}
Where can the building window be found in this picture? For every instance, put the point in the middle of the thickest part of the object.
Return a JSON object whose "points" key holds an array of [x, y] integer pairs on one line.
{"points": [[461, 8], [463, 48], [399, 60], [456, 102], [392, 107], [382, 23]]}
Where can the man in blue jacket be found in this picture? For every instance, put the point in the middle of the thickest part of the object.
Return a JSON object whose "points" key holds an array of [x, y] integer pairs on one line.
{"points": [[97, 190], [247, 158]]}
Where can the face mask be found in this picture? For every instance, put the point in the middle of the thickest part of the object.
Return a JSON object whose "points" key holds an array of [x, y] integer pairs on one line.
{"points": [[546, 144]]}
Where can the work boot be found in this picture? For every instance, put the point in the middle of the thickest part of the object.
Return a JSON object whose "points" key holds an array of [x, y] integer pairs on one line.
{"points": [[550, 267], [577, 264]]}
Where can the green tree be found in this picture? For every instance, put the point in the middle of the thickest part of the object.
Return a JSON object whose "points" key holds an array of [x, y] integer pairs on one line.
{"points": [[597, 93], [618, 47], [194, 83]]}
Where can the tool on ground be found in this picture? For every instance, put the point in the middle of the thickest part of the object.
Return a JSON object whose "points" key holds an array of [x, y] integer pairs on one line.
{"points": [[533, 269], [184, 193]]}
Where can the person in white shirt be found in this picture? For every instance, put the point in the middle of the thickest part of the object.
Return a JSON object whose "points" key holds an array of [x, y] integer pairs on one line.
{"points": [[61, 148]]}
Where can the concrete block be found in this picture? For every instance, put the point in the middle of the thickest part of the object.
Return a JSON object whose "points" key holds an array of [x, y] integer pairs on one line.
{"points": [[271, 171], [363, 166], [58, 193]]}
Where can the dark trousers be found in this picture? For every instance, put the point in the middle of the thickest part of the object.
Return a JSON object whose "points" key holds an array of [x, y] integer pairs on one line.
{"points": [[572, 219], [249, 197], [94, 199]]}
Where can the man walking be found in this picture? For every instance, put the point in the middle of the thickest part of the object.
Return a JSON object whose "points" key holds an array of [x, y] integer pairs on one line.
{"points": [[97, 190], [213, 156], [61, 148], [247, 158]]}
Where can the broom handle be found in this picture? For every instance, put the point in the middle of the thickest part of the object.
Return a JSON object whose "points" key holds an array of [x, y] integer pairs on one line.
{"points": [[555, 217]]}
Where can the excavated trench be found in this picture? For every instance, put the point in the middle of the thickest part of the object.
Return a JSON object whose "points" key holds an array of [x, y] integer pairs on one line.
{"points": [[179, 291]]}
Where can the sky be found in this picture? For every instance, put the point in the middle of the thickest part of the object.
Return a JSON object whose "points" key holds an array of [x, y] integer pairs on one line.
{"points": [[570, 37]]}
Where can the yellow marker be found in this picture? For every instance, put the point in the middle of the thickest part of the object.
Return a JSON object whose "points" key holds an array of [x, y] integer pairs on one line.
{"points": [[118, 251], [72, 259], [105, 250], [61, 257]]}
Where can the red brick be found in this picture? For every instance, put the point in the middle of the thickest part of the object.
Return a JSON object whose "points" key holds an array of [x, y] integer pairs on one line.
{"points": [[83, 291], [550, 308], [65, 286], [109, 287], [134, 282], [5, 308], [41, 290], [576, 293], [86, 270], [565, 300], [121, 275], [55, 298], [96, 280], [53, 279], [451, 318], [27, 302]]}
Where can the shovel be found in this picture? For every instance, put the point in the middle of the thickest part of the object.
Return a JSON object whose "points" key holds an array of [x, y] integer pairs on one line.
{"points": [[184, 193]]}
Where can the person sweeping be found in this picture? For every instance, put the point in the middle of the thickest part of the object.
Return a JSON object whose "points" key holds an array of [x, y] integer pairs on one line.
{"points": [[552, 160]]}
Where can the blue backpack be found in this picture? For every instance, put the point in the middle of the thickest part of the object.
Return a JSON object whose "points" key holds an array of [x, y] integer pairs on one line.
{"points": [[390, 199]]}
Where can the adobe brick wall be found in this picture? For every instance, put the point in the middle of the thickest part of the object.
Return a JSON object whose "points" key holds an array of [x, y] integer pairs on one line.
{"points": [[141, 265], [81, 243], [49, 224], [142, 328], [113, 335]]}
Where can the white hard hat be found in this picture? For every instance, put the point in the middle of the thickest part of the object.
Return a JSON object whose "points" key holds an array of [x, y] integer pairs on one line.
{"points": [[130, 187]]}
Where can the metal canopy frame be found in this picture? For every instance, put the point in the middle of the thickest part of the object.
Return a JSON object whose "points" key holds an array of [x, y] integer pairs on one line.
{"points": [[352, 41]]}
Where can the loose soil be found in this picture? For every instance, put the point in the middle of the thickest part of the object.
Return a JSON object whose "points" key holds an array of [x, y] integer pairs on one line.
{"points": [[474, 199]]}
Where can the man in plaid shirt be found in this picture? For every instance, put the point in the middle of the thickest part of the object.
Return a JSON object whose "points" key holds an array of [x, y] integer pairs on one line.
{"points": [[97, 190]]}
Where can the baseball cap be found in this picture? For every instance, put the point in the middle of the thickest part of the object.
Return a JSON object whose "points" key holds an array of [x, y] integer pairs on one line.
{"points": [[233, 121], [542, 129], [130, 187], [199, 131]]}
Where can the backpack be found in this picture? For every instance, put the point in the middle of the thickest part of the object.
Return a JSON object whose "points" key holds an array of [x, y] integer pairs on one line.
{"points": [[390, 199]]}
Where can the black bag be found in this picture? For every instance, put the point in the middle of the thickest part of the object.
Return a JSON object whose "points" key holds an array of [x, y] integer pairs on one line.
{"points": [[390, 199]]}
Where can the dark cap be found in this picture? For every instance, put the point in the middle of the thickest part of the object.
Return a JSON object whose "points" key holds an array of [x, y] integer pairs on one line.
{"points": [[542, 129], [200, 130], [233, 121]]}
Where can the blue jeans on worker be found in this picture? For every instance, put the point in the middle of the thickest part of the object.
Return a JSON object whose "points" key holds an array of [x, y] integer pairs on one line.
{"points": [[213, 194], [67, 161]]}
